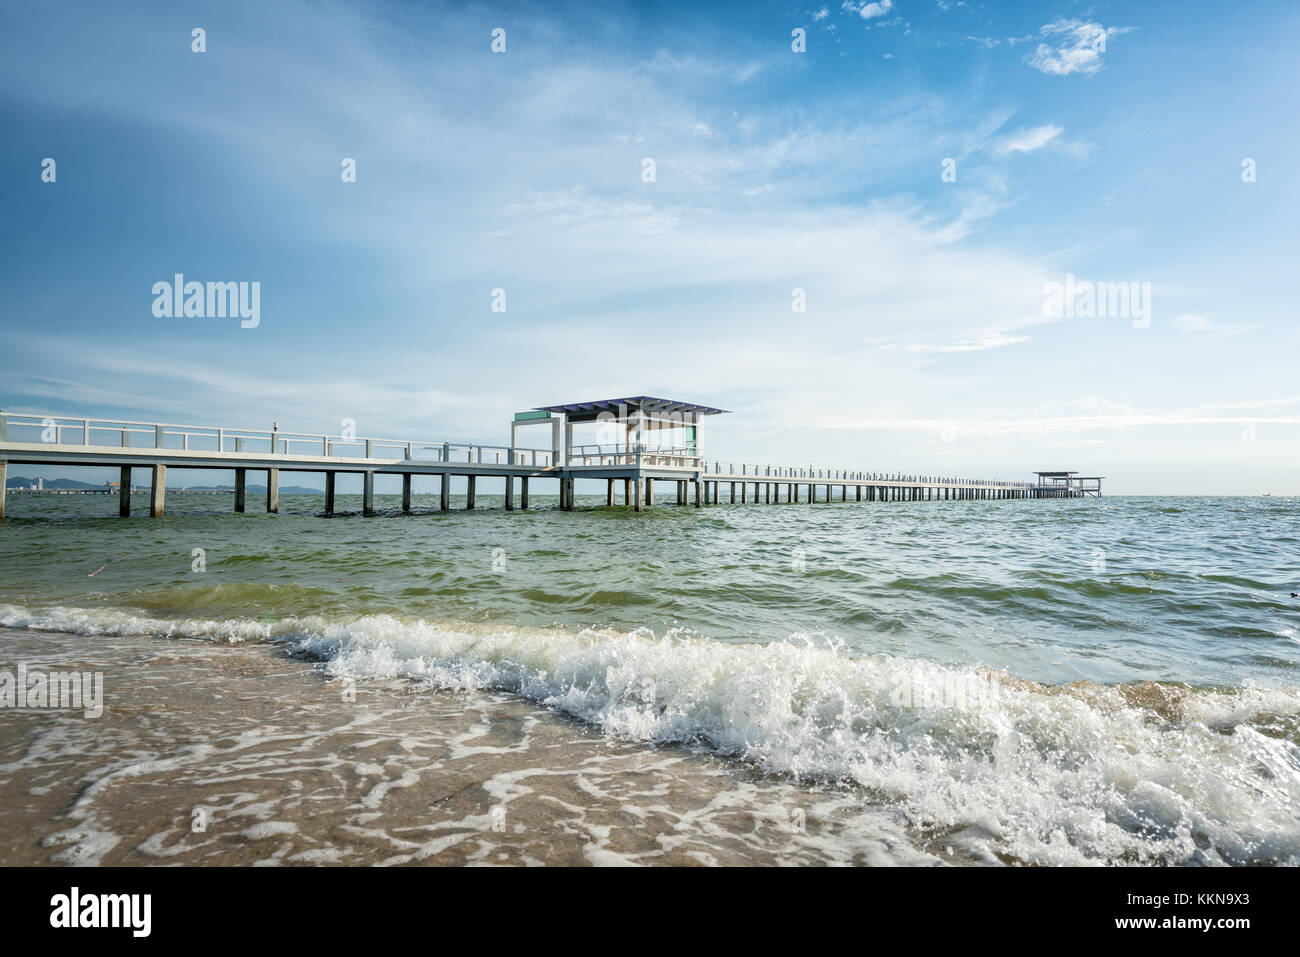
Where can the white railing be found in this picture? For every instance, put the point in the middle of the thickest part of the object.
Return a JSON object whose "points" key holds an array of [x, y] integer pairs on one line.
{"points": [[618, 454], [85, 431], [118, 433], [743, 471]]}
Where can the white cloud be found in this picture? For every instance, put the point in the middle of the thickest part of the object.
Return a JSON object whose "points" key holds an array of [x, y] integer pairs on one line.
{"points": [[1197, 324], [1191, 322], [978, 344], [1072, 46], [868, 11], [1028, 140]]}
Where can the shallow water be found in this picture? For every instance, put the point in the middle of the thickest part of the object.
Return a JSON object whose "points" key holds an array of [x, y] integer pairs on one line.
{"points": [[1083, 681]]}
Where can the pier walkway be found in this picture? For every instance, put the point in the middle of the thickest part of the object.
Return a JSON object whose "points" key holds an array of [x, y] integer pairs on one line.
{"points": [[642, 443]]}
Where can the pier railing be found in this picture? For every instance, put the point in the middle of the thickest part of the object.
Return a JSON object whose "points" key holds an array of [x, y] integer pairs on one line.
{"points": [[618, 454], [101, 433], [758, 472], [85, 431]]}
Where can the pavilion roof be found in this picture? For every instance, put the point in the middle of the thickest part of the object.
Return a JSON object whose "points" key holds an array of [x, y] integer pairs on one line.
{"points": [[643, 402]]}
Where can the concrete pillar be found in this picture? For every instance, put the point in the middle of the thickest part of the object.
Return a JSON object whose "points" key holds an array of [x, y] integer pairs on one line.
{"points": [[4, 484], [444, 492], [157, 490], [123, 491], [406, 492], [329, 492], [649, 492], [638, 497], [469, 492], [699, 493], [627, 493], [510, 493], [273, 491], [681, 492], [368, 492], [857, 493], [523, 493], [609, 493], [812, 493]]}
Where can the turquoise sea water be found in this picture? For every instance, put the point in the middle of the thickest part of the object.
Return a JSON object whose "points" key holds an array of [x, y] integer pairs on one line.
{"points": [[1071, 681]]}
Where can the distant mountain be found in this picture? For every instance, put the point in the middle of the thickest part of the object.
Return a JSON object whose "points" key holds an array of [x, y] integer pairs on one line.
{"points": [[19, 481]]}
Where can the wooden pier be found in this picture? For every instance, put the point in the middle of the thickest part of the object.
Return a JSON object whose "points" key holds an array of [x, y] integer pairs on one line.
{"points": [[641, 443]]}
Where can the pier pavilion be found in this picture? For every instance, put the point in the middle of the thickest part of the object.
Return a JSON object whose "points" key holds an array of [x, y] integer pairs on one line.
{"points": [[1068, 485], [636, 441]]}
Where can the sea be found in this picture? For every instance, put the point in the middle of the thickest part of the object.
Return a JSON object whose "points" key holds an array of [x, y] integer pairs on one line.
{"points": [[1110, 681]]}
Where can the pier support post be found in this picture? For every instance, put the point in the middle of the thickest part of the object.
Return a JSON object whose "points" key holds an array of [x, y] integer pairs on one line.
{"points": [[812, 494], [406, 493], [699, 494], [523, 493], [444, 492], [241, 490], [273, 491], [469, 491], [368, 493], [681, 492], [329, 492], [4, 484], [609, 493], [510, 493], [649, 492], [123, 490], [157, 490], [638, 498]]}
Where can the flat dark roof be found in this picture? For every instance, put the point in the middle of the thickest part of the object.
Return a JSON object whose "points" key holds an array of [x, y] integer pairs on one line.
{"points": [[644, 402]]}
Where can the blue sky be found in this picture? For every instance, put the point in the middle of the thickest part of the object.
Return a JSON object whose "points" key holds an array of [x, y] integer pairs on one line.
{"points": [[1103, 140]]}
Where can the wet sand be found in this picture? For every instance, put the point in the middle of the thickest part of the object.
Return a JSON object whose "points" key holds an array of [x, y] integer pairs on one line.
{"points": [[241, 755]]}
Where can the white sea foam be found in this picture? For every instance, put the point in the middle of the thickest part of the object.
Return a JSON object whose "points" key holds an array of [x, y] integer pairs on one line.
{"points": [[1076, 775]]}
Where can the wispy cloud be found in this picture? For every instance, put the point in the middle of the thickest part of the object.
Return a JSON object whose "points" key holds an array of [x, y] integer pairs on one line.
{"points": [[1072, 46], [979, 344], [1200, 325], [1026, 141]]}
